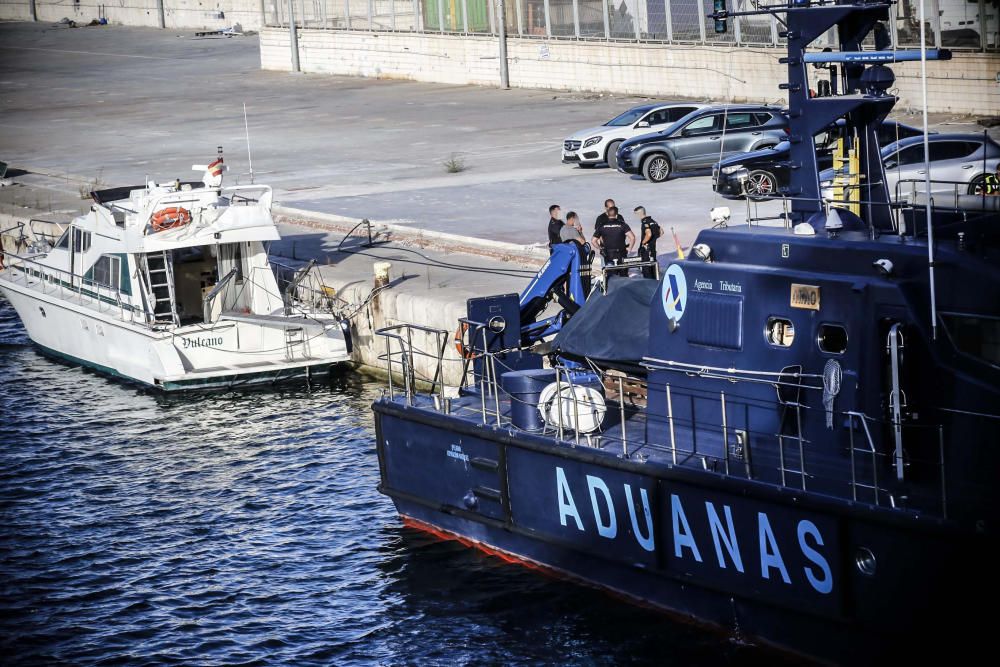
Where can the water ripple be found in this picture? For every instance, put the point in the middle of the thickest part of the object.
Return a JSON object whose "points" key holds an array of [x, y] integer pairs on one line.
{"points": [[245, 529]]}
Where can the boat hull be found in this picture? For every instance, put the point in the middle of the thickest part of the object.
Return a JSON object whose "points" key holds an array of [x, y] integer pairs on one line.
{"points": [[766, 564], [163, 360]]}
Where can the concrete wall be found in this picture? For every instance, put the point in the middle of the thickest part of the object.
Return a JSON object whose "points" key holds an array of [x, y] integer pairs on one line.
{"points": [[210, 14], [967, 85]]}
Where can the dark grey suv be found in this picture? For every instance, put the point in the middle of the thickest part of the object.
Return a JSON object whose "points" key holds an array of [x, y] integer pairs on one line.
{"points": [[702, 138]]}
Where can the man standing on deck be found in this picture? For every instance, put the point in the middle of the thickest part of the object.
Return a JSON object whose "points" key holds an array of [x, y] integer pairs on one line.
{"points": [[555, 225], [647, 246], [614, 239]]}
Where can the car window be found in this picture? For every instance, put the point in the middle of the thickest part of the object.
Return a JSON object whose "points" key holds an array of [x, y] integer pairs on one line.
{"points": [[676, 113], [910, 155], [762, 118], [951, 150], [701, 125], [658, 117], [627, 118], [739, 121]]}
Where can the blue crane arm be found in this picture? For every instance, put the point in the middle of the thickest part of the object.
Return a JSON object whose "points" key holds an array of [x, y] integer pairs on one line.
{"points": [[559, 278]]}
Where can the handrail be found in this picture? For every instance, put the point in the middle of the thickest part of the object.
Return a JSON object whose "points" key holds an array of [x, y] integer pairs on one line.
{"points": [[164, 198], [406, 354], [293, 285], [208, 299], [50, 275]]}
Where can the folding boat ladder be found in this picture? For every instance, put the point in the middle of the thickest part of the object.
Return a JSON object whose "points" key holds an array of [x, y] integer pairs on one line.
{"points": [[160, 279], [294, 338]]}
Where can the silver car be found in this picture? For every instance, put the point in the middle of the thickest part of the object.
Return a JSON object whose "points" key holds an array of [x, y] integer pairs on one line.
{"points": [[959, 163]]}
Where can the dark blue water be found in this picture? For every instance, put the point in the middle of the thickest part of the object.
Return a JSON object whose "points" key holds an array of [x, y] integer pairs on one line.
{"points": [[245, 528]]}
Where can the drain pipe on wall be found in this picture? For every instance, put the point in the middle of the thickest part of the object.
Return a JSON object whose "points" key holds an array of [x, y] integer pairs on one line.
{"points": [[293, 36], [502, 33], [34, 11], [160, 18]]}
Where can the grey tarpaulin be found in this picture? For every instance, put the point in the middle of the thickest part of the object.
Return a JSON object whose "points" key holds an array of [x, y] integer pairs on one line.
{"points": [[611, 327]]}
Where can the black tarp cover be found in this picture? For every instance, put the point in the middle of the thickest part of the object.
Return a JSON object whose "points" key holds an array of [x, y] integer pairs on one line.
{"points": [[612, 327]]}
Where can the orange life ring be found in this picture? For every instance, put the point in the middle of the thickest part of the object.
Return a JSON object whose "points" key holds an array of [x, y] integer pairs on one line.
{"points": [[170, 218], [463, 351]]}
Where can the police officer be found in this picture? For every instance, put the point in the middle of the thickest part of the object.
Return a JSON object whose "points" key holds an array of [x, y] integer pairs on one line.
{"points": [[603, 217], [647, 246], [555, 225], [573, 231], [614, 239]]}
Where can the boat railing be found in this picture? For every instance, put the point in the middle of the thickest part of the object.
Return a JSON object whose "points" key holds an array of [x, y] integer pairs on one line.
{"points": [[208, 301], [303, 285], [235, 194], [31, 273], [945, 195], [400, 351]]}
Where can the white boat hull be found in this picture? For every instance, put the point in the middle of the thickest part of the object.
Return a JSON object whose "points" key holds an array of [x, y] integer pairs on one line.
{"points": [[230, 352]]}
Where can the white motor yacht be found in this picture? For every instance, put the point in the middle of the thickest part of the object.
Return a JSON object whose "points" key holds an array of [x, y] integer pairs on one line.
{"points": [[169, 286]]}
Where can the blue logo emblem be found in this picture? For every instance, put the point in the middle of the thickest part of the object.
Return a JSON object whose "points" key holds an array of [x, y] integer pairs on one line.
{"points": [[674, 292]]}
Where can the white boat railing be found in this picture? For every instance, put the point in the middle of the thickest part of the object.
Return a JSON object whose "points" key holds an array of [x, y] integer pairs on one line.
{"points": [[33, 274], [234, 194]]}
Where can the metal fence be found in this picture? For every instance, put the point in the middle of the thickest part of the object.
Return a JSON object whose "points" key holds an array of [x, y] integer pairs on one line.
{"points": [[968, 25]]}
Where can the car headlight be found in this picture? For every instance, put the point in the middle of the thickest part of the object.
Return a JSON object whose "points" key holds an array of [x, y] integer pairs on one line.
{"points": [[732, 169], [626, 149], [591, 141]]}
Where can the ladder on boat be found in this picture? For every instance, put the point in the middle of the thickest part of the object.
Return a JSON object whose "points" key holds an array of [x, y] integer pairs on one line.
{"points": [[160, 279], [294, 339]]}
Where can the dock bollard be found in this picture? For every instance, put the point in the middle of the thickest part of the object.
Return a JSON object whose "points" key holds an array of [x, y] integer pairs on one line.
{"points": [[382, 270]]}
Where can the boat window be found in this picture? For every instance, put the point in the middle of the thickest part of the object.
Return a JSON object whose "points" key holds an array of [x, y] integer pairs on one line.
{"points": [[832, 338], [107, 272], [63, 241], [780, 332], [975, 335], [81, 241]]}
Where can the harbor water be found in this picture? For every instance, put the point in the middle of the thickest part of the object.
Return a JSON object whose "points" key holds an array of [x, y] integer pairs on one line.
{"points": [[246, 528]]}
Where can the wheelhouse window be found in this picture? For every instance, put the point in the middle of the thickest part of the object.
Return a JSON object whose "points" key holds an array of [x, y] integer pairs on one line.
{"points": [[832, 338], [780, 332], [975, 335], [81, 241], [106, 272], [63, 242]]}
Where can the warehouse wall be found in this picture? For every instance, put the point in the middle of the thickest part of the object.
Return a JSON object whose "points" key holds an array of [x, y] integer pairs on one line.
{"points": [[210, 14], [967, 85]]}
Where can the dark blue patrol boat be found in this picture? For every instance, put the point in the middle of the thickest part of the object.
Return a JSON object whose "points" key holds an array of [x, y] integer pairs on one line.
{"points": [[793, 434]]}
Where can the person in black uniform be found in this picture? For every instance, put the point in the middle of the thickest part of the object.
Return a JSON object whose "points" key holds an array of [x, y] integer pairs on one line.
{"points": [[614, 239], [647, 245], [555, 225], [603, 217]]}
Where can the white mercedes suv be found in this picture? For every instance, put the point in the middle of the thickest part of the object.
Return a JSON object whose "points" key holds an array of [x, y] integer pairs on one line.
{"points": [[599, 144]]}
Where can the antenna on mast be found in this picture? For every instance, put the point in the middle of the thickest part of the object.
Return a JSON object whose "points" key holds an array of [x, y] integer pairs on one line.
{"points": [[246, 128]]}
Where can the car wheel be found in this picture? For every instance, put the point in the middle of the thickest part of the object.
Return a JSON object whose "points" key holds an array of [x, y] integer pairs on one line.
{"points": [[761, 185], [656, 169], [977, 185], [612, 154]]}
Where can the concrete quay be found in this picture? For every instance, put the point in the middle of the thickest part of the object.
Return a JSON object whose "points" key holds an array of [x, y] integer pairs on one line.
{"points": [[101, 107]]}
